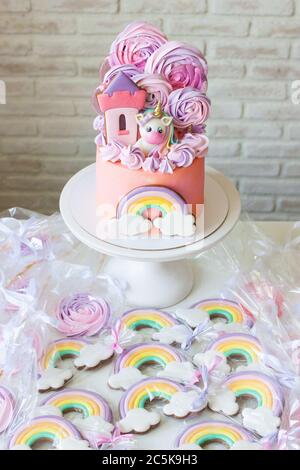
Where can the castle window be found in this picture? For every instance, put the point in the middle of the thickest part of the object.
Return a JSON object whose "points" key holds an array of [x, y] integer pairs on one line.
{"points": [[122, 122]]}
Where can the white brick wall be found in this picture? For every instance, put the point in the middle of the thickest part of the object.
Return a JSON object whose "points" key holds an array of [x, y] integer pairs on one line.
{"points": [[50, 52]]}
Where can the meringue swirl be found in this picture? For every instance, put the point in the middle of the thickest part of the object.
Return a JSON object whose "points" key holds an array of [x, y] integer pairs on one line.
{"points": [[132, 157], [111, 152], [82, 314], [157, 88], [182, 155], [188, 107]]}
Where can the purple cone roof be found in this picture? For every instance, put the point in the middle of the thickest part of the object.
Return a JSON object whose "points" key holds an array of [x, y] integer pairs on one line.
{"points": [[121, 83]]}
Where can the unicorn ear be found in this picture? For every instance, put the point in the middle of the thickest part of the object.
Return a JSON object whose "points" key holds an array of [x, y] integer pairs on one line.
{"points": [[166, 120], [139, 117]]}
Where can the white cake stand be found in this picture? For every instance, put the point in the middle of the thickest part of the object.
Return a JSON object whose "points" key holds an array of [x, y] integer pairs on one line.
{"points": [[162, 275]]}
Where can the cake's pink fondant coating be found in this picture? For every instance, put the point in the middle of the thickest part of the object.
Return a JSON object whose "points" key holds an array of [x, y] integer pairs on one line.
{"points": [[114, 181]]}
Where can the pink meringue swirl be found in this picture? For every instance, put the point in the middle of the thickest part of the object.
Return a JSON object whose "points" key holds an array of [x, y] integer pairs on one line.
{"points": [[7, 406], [181, 65], [182, 155], [199, 142], [111, 152], [132, 157], [157, 88], [188, 107], [82, 315], [135, 45]]}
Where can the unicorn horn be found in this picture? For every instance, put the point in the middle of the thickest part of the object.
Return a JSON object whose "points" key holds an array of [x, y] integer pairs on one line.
{"points": [[158, 111]]}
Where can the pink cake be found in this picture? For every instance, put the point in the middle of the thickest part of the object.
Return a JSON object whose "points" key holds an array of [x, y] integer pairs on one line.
{"points": [[152, 108]]}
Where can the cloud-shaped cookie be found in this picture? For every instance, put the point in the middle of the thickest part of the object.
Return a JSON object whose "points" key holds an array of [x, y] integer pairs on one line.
{"points": [[139, 420], [215, 362], [176, 223], [223, 400], [92, 354], [189, 447], [181, 404], [172, 334], [54, 378], [127, 225], [246, 445], [192, 316], [73, 444], [93, 426], [125, 378], [180, 371], [261, 420]]}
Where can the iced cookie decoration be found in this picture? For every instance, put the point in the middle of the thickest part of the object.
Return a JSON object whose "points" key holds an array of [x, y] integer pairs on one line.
{"points": [[193, 317], [134, 416], [55, 430], [268, 395], [82, 314], [214, 361], [7, 408], [93, 415], [139, 318], [226, 311], [211, 432], [141, 355], [238, 346], [53, 377]]}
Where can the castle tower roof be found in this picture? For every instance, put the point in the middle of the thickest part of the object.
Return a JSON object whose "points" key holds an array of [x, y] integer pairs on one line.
{"points": [[122, 92]]}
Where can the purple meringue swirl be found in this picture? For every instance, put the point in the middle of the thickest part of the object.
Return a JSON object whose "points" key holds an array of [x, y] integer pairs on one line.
{"points": [[199, 142], [132, 157], [135, 45], [188, 107], [111, 152], [152, 163], [182, 155], [157, 88], [82, 315], [181, 65], [166, 166]]}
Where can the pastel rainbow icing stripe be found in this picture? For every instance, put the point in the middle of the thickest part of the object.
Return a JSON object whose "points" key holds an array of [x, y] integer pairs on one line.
{"points": [[139, 394], [83, 401], [263, 388], [44, 428], [238, 345], [147, 353], [62, 349], [206, 432], [227, 310], [139, 318], [142, 199]]}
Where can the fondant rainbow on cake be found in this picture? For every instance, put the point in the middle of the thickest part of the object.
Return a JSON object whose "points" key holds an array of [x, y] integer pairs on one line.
{"points": [[263, 388], [147, 353], [139, 318], [227, 310], [52, 429], [138, 395], [207, 432], [83, 401], [62, 349], [239, 346], [151, 202]]}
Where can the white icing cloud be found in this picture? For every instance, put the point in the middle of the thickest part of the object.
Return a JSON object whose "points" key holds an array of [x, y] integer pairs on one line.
{"points": [[54, 378], [176, 223], [245, 445], [223, 400], [92, 426], [181, 404], [189, 447], [261, 420], [172, 334], [180, 371], [139, 420], [47, 410], [125, 378], [73, 444], [214, 361], [192, 316], [92, 354], [127, 225]]}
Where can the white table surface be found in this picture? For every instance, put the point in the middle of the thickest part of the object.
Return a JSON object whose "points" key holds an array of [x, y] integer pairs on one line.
{"points": [[209, 281]]}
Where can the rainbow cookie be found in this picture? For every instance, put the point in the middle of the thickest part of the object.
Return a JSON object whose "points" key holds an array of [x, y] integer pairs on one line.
{"points": [[139, 318], [134, 416], [52, 429], [227, 310], [264, 389], [147, 353], [239, 346], [208, 432], [151, 202]]}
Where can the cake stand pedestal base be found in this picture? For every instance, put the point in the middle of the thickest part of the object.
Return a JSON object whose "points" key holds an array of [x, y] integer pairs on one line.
{"points": [[152, 284]]}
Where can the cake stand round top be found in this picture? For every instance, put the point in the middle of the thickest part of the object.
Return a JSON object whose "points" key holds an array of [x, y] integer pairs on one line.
{"points": [[222, 211]]}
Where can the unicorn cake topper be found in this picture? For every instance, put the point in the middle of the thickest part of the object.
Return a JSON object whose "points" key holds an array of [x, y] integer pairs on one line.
{"points": [[156, 130]]}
